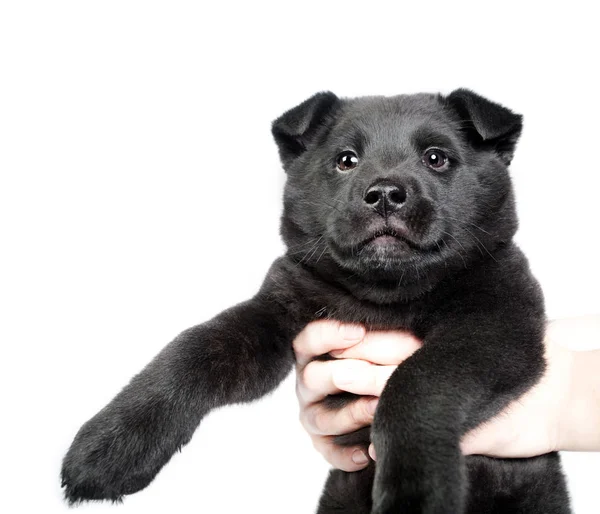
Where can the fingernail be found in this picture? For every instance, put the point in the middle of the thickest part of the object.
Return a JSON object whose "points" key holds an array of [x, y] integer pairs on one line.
{"points": [[336, 353], [359, 457], [372, 405], [352, 332], [372, 452]]}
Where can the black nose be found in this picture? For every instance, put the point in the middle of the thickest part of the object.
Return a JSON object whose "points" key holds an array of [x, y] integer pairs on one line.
{"points": [[385, 197]]}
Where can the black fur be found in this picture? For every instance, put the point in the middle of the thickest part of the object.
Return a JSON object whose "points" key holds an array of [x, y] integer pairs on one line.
{"points": [[445, 268]]}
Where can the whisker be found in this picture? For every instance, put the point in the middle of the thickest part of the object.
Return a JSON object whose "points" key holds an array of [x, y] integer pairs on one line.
{"points": [[301, 245], [459, 244], [311, 251], [480, 243], [468, 222], [322, 253]]}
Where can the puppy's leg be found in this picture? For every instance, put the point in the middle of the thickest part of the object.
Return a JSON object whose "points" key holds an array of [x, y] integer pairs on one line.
{"points": [[348, 493], [239, 356], [465, 373]]}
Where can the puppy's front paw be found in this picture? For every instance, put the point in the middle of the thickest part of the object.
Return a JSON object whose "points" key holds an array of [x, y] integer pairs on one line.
{"points": [[417, 478], [409, 499], [113, 454]]}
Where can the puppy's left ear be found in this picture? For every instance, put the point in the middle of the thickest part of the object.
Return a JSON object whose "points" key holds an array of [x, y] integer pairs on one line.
{"points": [[488, 123], [294, 129]]}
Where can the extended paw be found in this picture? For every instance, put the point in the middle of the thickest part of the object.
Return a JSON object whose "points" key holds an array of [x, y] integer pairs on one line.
{"points": [[112, 455]]}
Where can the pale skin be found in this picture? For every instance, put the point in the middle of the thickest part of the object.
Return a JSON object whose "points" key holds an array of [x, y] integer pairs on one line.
{"points": [[562, 412]]}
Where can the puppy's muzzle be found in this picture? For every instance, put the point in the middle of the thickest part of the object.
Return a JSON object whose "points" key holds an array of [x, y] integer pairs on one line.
{"points": [[385, 197]]}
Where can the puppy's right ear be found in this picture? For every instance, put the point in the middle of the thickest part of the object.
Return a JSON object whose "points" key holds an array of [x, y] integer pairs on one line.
{"points": [[496, 126], [293, 130]]}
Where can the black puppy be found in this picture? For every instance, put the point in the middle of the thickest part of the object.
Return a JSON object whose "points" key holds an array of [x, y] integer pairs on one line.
{"points": [[398, 213]]}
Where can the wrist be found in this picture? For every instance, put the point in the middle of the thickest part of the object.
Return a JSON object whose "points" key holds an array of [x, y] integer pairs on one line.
{"points": [[557, 392], [565, 422], [579, 423]]}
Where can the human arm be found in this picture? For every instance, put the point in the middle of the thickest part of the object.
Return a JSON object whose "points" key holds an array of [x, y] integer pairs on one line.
{"points": [[579, 424]]}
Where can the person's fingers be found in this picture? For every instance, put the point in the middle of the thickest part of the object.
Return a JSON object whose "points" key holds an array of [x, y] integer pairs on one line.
{"points": [[381, 347], [319, 420], [314, 382], [372, 452], [321, 378], [323, 336], [351, 458], [360, 377]]}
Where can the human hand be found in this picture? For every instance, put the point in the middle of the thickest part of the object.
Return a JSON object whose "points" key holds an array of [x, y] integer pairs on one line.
{"points": [[362, 364], [562, 411], [531, 425]]}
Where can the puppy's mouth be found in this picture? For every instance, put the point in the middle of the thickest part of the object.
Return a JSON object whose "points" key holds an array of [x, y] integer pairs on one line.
{"points": [[387, 237], [383, 246]]}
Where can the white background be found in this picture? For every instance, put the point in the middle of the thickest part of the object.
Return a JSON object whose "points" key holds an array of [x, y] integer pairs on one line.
{"points": [[140, 195]]}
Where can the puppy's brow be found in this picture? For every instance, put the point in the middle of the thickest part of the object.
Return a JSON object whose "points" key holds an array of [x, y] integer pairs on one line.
{"points": [[424, 137], [357, 140]]}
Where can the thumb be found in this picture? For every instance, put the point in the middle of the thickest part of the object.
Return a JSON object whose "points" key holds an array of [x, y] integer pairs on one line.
{"points": [[494, 438]]}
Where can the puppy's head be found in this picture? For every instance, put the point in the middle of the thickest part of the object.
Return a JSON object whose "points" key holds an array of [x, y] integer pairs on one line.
{"points": [[395, 192]]}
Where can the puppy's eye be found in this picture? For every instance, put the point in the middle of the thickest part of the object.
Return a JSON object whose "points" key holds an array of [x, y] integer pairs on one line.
{"points": [[346, 161], [435, 159]]}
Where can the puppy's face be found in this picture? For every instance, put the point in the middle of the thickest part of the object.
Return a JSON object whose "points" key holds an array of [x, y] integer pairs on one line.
{"points": [[396, 190]]}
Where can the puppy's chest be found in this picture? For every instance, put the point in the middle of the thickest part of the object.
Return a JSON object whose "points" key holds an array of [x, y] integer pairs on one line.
{"points": [[375, 317], [312, 299], [309, 297]]}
